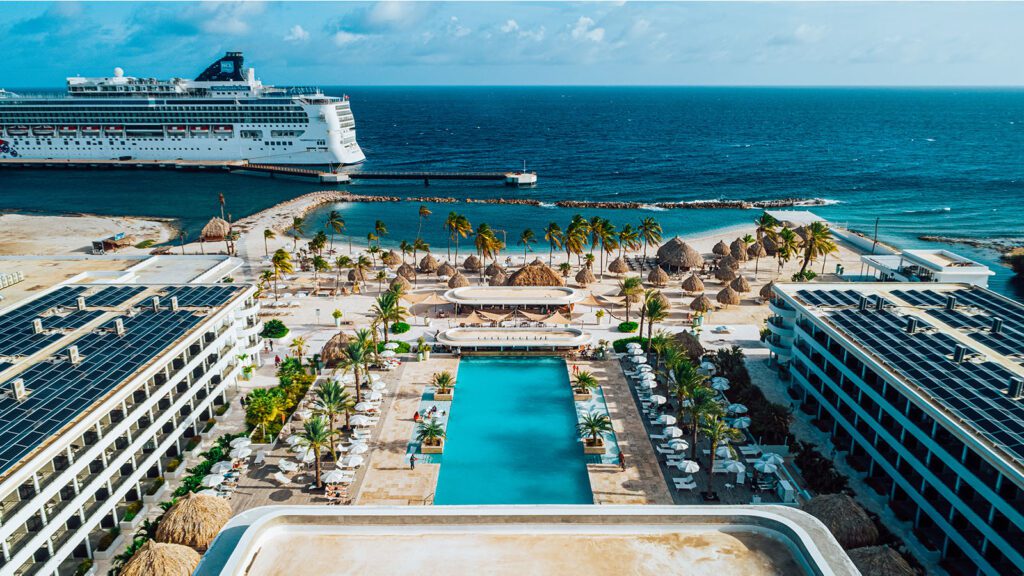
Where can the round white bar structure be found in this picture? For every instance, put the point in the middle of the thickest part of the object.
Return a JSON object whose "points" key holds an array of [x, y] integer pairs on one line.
{"points": [[535, 338], [508, 296]]}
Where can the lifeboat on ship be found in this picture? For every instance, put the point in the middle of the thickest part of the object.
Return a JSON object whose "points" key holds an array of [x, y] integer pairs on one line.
{"points": [[223, 129], [176, 130], [17, 131], [114, 130], [90, 130], [200, 129], [42, 131], [68, 130]]}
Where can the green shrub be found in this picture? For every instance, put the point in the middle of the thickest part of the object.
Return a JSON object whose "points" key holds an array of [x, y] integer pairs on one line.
{"points": [[819, 472], [274, 328], [807, 276], [107, 539], [145, 244], [620, 345], [628, 327], [131, 511], [220, 410], [155, 487], [403, 347], [399, 328], [172, 465], [83, 567], [192, 443]]}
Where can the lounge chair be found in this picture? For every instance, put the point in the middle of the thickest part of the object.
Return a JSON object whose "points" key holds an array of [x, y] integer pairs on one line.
{"points": [[661, 450], [687, 486], [688, 479], [281, 479]]}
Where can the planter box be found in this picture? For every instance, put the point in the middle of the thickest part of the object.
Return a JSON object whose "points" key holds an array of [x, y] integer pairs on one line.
{"points": [[178, 472], [444, 397], [582, 397], [129, 526], [596, 449], [115, 548], [438, 449], [156, 497]]}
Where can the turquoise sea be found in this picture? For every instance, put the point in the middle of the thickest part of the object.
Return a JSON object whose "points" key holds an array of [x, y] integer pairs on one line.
{"points": [[920, 161]]}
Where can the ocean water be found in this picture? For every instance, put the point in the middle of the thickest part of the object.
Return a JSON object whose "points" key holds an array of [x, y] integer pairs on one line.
{"points": [[512, 436], [920, 161]]}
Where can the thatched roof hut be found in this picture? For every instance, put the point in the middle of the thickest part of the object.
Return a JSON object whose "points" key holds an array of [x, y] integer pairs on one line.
{"points": [[756, 250], [658, 277], [728, 296], [216, 229], [740, 284], [728, 261], [801, 231], [690, 343], [702, 304], [725, 274], [766, 291], [585, 277], [847, 521], [537, 262], [458, 281], [493, 268], [334, 350], [499, 279], [880, 560], [156, 559], [720, 249], [471, 263], [194, 521], [676, 254], [535, 275], [738, 250], [356, 275], [770, 246], [390, 259], [446, 269], [618, 266], [428, 263], [660, 297], [406, 271], [401, 284], [693, 284]]}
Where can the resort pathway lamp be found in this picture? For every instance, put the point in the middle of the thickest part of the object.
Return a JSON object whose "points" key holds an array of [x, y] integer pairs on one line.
{"points": [[213, 480], [741, 423], [688, 467], [243, 452]]}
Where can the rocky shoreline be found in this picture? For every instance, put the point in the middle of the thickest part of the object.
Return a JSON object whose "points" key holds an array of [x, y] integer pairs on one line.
{"points": [[1000, 245]]}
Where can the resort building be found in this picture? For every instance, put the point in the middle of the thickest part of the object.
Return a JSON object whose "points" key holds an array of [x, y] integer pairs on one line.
{"points": [[103, 385], [925, 266], [921, 387], [542, 540]]}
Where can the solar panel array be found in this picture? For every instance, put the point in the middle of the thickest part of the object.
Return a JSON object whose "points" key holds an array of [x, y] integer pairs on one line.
{"points": [[113, 295], [60, 390], [834, 298], [17, 337], [975, 392], [201, 295]]}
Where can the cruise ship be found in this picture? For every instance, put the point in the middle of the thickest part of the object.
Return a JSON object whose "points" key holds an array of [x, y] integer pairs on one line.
{"points": [[225, 114]]}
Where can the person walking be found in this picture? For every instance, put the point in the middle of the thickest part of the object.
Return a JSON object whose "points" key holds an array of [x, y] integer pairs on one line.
{"points": [[412, 462], [622, 461]]}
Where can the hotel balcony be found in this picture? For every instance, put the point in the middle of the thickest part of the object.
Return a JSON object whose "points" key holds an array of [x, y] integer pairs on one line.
{"points": [[781, 349], [250, 330], [780, 308], [779, 326]]}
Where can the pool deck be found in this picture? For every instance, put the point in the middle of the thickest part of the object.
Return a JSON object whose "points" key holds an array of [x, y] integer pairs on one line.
{"points": [[388, 479], [642, 482]]}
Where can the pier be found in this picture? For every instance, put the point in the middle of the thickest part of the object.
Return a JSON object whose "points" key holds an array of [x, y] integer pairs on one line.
{"points": [[518, 178]]}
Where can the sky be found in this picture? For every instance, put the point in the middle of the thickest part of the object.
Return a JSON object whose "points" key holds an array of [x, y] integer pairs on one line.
{"points": [[523, 43]]}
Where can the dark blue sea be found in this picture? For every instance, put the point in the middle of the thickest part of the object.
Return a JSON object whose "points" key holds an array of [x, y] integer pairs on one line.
{"points": [[921, 161]]}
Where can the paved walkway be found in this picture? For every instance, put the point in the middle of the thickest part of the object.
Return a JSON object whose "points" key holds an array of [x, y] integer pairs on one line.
{"points": [[388, 480], [642, 482]]}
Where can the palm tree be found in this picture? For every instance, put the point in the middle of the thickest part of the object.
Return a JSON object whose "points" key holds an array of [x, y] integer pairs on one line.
{"points": [[817, 242], [296, 230], [380, 229], [766, 227], [335, 223], [418, 245], [430, 433], [553, 234], [565, 268], [316, 436], [387, 310], [630, 287], [424, 212], [629, 239], [575, 238], [717, 431], [356, 356], [443, 382], [584, 382], [331, 400], [268, 235], [458, 226], [602, 232], [486, 243], [647, 295], [594, 424], [381, 277], [340, 263], [788, 246], [656, 311], [319, 265], [265, 278], [282, 264], [526, 238], [298, 347], [373, 251], [361, 267], [650, 232], [694, 397], [405, 248]]}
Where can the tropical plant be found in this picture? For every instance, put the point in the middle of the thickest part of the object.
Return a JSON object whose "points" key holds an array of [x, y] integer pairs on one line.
{"points": [[331, 400], [335, 223], [419, 245], [787, 247], [406, 248], [443, 382], [381, 230], [599, 315], [274, 328], [697, 401], [281, 262], [457, 226], [424, 212], [298, 347], [356, 356], [817, 242], [717, 431], [525, 239], [340, 264], [629, 239], [574, 240], [316, 436], [320, 264], [388, 309], [565, 269], [656, 311], [592, 425], [381, 277], [650, 232], [553, 235], [584, 382], [317, 243], [430, 433], [268, 235], [296, 230], [627, 326], [630, 287]]}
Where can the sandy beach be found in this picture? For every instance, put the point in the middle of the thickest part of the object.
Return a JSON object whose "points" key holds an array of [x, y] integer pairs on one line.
{"points": [[32, 234]]}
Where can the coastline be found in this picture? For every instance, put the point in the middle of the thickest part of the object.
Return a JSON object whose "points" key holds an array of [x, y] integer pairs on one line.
{"points": [[49, 234]]}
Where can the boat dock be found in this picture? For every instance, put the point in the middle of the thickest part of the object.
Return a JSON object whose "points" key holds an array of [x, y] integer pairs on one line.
{"points": [[518, 178]]}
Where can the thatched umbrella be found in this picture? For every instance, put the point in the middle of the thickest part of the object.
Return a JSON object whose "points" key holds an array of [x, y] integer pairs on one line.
{"points": [[702, 304], [498, 279], [537, 262], [801, 231], [535, 275], [356, 275], [880, 560], [660, 297], [390, 259], [216, 229], [194, 521], [156, 559], [770, 246], [401, 284], [720, 249], [847, 521], [766, 291], [334, 350], [585, 277], [693, 284], [740, 284], [458, 281], [658, 277], [406, 271], [725, 274], [618, 266], [728, 296], [493, 268], [738, 250], [728, 261], [676, 254], [757, 250], [471, 263], [446, 269], [428, 263]]}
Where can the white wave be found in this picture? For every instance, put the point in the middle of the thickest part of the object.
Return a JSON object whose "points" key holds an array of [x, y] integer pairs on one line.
{"points": [[652, 208], [819, 202], [546, 205]]}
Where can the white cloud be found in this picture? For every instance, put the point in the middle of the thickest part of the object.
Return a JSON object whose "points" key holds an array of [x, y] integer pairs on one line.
{"points": [[296, 34], [510, 27], [809, 34], [344, 38], [584, 29], [228, 17], [457, 30]]}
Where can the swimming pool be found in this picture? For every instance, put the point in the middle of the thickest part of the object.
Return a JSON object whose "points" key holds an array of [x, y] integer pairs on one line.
{"points": [[511, 436]]}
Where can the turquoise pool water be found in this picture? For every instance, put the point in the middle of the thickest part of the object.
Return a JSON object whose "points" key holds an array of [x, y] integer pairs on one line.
{"points": [[511, 436]]}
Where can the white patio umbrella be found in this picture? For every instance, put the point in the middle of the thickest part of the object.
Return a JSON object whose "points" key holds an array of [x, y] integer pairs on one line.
{"points": [[658, 399], [374, 377], [391, 345], [207, 492], [736, 408], [240, 442], [307, 457], [645, 368], [652, 384], [766, 467], [348, 379], [243, 452], [673, 431], [639, 359], [378, 386], [720, 386], [364, 406], [647, 376], [334, 476], [666, 419], [360, 420], [299, 448], [743, 422], [293, 439], [688, 466], [287, 466], [220, 467], [678, 444], [633, 346], [709, 366], [359, 449], [387, 354], [723, 452], [353, 461], [211, 480], [719, 380], [772, 457], [376, 395], [734, 466]]}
